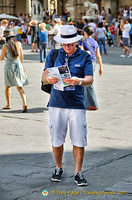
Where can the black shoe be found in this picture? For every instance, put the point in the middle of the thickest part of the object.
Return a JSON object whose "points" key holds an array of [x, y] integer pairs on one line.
{"points": [[56, 177], [80, 180]]}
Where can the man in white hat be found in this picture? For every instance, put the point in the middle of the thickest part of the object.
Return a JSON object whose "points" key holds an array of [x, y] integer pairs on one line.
{"points": [[69, 106]]}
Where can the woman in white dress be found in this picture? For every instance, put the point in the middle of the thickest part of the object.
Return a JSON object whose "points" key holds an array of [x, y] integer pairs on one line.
{"points": [[14, 73]]}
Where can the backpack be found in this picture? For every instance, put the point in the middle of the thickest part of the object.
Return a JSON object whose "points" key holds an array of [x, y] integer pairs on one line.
{"points": [[47, 87]]}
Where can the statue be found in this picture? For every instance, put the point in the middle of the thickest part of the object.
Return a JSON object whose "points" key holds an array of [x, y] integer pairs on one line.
{"points": [[92, 10], [36, 10]]}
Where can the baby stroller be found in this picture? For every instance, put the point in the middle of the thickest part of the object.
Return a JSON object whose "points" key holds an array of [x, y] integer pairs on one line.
{"points": [[109, 39]]}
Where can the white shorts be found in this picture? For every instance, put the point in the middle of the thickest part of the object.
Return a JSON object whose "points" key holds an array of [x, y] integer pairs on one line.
{"points": [[59, 119]]}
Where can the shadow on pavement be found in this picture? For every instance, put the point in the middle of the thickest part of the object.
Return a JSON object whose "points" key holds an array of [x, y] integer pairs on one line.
{"points": [[33, 56], [25, 176], [113, 57], [30, 110]]}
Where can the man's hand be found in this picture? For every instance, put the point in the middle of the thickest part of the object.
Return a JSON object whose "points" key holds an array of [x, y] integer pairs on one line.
{"points": [[51, 80], [72, 81], [48, 79]]}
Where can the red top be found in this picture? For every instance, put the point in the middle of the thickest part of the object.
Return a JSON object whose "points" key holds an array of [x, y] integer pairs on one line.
{"points": [[112, 30]]}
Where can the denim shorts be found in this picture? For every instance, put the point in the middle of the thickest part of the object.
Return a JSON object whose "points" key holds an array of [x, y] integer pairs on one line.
{"points": [[59, 120], [125, 41]]}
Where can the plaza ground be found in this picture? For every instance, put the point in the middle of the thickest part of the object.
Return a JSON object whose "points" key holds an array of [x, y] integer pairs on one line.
{"points": [[26, 161]]}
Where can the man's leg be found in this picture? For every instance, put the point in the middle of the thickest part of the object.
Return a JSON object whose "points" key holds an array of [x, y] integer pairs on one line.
{"points": [[58, 155], [104, 45], [58, 129], [41, 54], [36, 46], [78, 133], [78, 154], [124, 51], [32, 46], [127, 49], [100, 46]]}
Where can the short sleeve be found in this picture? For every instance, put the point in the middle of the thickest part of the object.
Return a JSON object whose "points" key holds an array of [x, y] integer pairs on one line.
{"points": [[80, 43], [96, 45], [49, 60], [104, 29], [88, 68]]}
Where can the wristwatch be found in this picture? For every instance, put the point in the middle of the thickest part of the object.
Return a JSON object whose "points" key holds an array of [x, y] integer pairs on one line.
{"points": [[80, 83]]}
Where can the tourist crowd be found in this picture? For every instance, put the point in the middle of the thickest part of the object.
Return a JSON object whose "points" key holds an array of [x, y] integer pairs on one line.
{"points": [[108, 30]]}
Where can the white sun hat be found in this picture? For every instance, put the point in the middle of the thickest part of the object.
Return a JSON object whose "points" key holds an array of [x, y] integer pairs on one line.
{"points": [[68, 35]]}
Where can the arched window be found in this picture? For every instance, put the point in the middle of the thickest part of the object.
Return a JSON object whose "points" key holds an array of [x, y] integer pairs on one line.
{"points": [[39, 9], [34, 9]]}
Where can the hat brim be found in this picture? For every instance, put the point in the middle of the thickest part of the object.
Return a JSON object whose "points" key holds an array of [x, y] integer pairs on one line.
{"points": [[10, 36], [59, 39]]}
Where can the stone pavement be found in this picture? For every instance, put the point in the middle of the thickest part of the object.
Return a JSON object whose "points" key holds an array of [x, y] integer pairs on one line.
{"points": [[26, 161]]}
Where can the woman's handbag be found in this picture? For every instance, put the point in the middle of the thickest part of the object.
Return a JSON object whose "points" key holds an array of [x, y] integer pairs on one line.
{"points": [[47, 87]]}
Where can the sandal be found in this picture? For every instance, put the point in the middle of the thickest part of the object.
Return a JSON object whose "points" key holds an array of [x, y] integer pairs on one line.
{"points": [[92, 108], [6, 108], [24, 109]]}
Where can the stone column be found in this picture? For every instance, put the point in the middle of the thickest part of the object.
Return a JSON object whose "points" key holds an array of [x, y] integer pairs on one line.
{"points": [[7, 7], [45, 4], [49, 7], [28, 6], [56, 6], [4, 6]]}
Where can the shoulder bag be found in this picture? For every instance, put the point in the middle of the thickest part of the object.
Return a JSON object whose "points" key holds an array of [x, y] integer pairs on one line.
{"points": [[47, 87]]}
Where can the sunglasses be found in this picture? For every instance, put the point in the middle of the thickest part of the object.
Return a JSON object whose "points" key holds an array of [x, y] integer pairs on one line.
{"points": [[68, 45]]}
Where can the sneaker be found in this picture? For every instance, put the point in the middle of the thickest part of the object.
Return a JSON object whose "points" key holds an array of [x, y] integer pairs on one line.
{"points": [[56, 177], [80, 180], [122, 56], [130, 55]]}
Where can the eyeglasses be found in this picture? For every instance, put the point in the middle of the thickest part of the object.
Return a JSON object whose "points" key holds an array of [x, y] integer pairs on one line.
{"points": [[68, 45]]}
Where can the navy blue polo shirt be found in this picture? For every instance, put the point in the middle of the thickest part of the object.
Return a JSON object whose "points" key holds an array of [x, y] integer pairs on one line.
{"points": [[80, 65]]}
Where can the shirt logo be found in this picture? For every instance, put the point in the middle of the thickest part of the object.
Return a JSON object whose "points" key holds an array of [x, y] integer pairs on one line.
{"points": [[77, 65]]}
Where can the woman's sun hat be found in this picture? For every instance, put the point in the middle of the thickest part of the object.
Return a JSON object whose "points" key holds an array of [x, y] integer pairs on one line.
{"points": [[8, 33], [68, 35]]}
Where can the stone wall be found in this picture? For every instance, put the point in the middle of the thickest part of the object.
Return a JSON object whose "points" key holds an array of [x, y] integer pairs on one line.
{"points": [[126, 2], [7, 7], [20, 7]]}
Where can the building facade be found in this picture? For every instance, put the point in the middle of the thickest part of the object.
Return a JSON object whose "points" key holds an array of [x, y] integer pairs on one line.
{"points": [[75, 7], [15, 7]]}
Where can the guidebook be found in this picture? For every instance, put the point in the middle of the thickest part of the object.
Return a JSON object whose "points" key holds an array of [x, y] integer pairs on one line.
{"points": [[61, 72]]}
